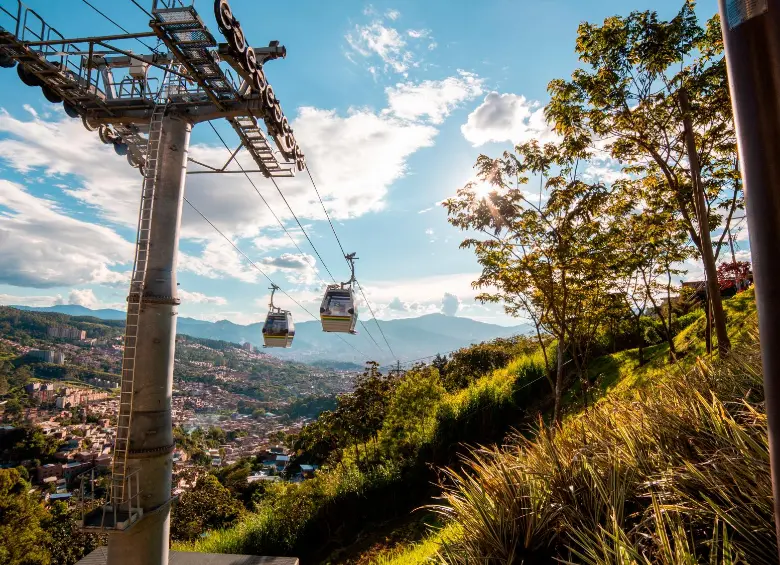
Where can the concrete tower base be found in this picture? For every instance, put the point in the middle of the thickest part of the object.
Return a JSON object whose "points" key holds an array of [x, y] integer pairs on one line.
{"points": [[99, 556]]}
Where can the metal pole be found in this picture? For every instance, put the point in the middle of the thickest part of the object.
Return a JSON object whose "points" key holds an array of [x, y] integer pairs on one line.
{"points": [[151, 434], [751, 33]]}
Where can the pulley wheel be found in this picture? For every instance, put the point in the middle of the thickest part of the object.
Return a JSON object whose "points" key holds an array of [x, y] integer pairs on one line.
{"points": [[87, 125], [278, 115], [286, 125], [131, 160], [236, 39], [6, 62], [300, 163], [71, 110], [250, 61], [270, 97], [259, 82], [27, 77], [105, 134], [120, 148], [289, 141], [50, 95], [224, 15], [270, 125]]}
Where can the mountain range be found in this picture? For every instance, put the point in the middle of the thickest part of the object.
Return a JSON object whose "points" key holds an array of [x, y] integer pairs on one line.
{"points": [[409, 338]]}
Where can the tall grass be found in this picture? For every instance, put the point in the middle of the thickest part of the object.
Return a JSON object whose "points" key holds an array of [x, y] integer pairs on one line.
{"points": [[679, 474]]}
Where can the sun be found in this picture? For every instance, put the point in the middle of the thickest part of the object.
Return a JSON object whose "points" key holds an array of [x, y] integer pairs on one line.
{"points": [[481, 189]]}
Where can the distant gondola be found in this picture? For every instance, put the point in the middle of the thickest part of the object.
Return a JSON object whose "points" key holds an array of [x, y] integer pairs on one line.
{"points": [[279, 329], [338, 311]]}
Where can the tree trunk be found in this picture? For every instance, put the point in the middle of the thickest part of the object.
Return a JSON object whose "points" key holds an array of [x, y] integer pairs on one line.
{"points": [[547, 370], [558, 385], [641, 348], [668, 326], [708, 258], [708, 327]]}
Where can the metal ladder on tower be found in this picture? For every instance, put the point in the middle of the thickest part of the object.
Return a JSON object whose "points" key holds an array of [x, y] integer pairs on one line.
{"points": [[119, 471]]}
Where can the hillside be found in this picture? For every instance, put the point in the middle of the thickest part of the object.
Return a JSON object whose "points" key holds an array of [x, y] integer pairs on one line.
{"points": [[648, 423], [255, 375], [410, 338]]}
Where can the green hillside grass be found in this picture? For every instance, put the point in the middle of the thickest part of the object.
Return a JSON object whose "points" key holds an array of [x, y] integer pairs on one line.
{"points": [[620, 384]]}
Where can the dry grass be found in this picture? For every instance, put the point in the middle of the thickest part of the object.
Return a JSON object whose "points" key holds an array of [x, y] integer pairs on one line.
{"points": [[679, 474]]}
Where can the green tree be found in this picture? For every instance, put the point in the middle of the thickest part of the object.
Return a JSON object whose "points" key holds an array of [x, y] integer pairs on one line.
{"points": [[554, 260], [22, 540], [67, 544], [644, 97], [208, 506], [411, 414]]}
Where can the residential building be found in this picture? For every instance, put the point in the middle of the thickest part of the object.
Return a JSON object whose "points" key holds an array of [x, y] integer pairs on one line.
{"points": [[48, 356], [64, 332], [50, 470]]}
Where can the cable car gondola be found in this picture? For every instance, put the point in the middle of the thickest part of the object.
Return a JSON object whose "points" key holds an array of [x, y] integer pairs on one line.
{"points": [[338, 311], [279, 329]]}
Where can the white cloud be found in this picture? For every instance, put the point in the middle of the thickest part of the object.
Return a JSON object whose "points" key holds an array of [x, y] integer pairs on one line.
{"points": [[507, 117], [63, 147], [604, 170], [435, 99], [450, 304], [200, 298], [265, 242], [42, 247], [289, 261], [396, 304], [379, 39], [385, 42], [337, 149], [84, 297], [32, 300]]}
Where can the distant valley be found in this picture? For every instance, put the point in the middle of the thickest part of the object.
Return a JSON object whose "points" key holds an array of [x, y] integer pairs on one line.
{"points": [[409, 338]]}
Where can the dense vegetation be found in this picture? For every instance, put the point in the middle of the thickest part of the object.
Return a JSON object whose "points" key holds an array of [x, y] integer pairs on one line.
{"points": [[376, 448], [23, 326], [33, 534]]}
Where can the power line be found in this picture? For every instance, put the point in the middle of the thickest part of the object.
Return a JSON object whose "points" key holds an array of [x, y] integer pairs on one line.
{"points": [[301, 306], [261, 195], [273, 180], [311, 178], [375, 320], [144, 10], [333, 228], [154, 49], [284, 228]]}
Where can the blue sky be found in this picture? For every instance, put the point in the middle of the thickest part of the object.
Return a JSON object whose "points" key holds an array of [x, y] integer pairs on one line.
{"points": [[391, 102]]}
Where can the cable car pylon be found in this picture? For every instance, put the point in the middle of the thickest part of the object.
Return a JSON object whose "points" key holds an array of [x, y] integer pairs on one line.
{"points": [[339, 311], [112, 92]]}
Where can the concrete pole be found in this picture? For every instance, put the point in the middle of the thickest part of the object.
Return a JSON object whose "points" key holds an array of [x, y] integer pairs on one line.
{"points": [[751, 35], [151, 434]]}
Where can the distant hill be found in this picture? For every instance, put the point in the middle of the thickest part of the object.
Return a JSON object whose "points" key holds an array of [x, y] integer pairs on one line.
{"points": [[410, 338], [76, 310]]}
